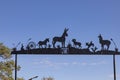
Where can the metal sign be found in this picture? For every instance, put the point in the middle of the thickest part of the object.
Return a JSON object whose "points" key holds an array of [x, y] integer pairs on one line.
{"points": [[45, 47], [42, 47]]}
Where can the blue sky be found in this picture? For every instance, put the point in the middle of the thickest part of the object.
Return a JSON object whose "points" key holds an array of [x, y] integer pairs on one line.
{"points": [[39, 19]]}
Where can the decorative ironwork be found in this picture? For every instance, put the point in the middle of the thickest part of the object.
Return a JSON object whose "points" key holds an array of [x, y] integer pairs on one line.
{"points": [[104, 42], [89, 44], [76, 48], [75, 43], [91, 49], [31, 45], [40, 43], [60, 39]]}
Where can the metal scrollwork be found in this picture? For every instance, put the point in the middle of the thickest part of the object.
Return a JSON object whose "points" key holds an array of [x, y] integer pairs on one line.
{"points": [[31, 45]]}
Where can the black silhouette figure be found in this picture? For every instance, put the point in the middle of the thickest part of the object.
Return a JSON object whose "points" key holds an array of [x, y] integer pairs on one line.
{"points": [[60, 39], [104, 42], [89, 44], [75, 43], [94, 49], [40, 43], [22, 47]]}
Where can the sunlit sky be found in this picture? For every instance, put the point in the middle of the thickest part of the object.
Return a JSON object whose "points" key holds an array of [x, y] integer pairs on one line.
{"points": [[40, 19]]}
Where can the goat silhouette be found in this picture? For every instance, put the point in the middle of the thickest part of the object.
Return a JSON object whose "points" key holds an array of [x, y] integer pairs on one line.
{"points": [[75, 43]]}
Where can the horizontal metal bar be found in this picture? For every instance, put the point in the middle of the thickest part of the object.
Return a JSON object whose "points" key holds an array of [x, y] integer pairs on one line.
{"points": [[59, 51]]}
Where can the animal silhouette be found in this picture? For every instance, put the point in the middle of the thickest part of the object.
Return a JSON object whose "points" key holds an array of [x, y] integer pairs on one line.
{"points": [[104, 42], [60, 39], [75, 43], [89, 44], [40, 43]]}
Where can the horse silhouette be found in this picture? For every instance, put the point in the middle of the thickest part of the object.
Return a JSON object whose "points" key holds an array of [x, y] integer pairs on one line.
{"points": [[104, 42], [60, 39], [40, 43], [75, 43], [89, 44]]}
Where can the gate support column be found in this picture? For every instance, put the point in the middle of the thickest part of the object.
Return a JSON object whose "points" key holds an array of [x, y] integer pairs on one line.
{"points": [[114, 66], [16, 66]]}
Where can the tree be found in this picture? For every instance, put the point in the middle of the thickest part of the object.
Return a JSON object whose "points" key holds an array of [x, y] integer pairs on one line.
{"points": [[7, 65]]}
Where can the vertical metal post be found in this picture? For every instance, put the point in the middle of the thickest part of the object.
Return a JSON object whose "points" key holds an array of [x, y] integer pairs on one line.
{"points": [[16, 66], [114, 66]]}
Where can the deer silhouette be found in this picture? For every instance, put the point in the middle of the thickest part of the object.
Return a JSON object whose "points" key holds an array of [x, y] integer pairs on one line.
{"points": [[60, 39], [75, 43], [104, 42]]}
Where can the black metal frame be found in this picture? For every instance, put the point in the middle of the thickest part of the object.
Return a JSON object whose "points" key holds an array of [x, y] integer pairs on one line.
{"points": [[114, 66]]}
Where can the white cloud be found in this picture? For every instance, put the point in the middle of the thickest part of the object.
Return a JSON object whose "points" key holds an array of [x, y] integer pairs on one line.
{"points": [[98, 63], [75, 63], [46, 62], [84, 64]]}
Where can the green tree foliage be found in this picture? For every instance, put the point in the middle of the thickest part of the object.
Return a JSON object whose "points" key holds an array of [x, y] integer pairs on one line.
{"points": [[7, 66], [4, 52]]}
